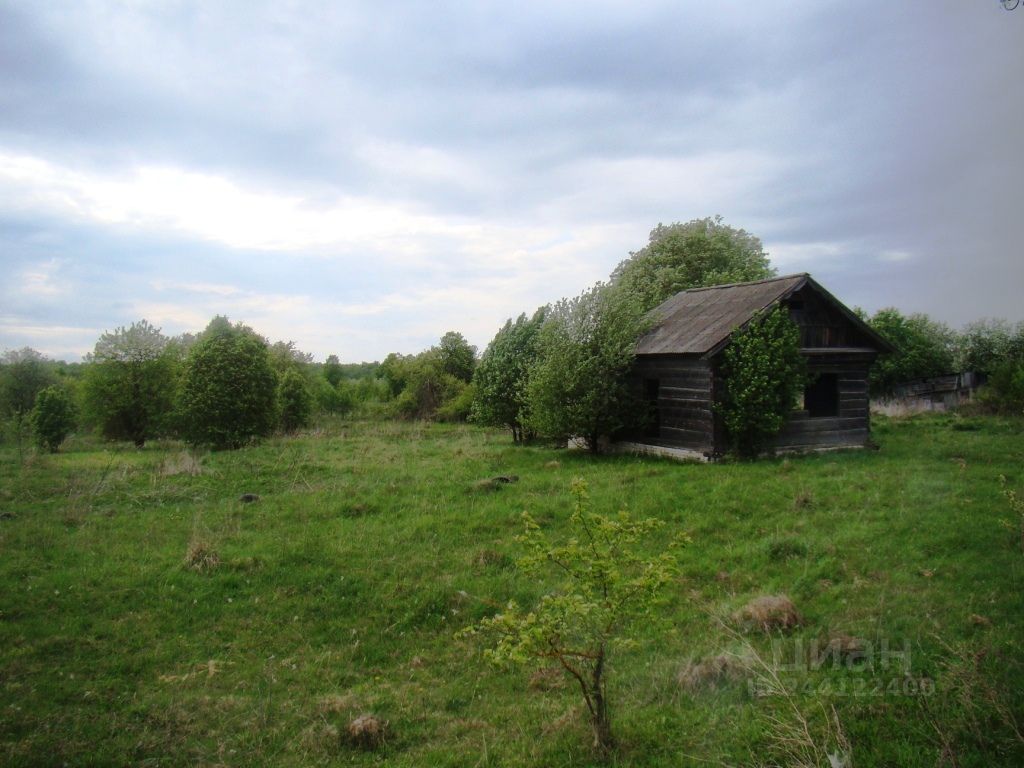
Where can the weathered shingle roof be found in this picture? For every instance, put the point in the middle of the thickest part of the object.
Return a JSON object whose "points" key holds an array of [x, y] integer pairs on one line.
{"points": [[701, 320]]}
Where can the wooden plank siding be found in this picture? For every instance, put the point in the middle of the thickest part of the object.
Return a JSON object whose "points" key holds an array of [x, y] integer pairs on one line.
{"points": [[684, 400], [851, 426]]}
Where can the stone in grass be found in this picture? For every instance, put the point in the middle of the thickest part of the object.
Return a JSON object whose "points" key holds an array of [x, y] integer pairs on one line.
{"points": [[713, 672], [366, 732], [769, 613], [489, 484], [248, 498]]}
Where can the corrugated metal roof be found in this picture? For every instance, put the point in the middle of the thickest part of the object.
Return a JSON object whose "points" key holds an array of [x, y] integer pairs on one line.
{"points": [[698, 320]]}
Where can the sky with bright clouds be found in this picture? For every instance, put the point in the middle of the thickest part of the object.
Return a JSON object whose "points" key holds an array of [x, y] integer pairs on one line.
{"points": [[361, 177]]}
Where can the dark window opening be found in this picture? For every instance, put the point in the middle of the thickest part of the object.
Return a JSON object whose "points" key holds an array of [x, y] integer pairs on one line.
{"points": [[651, 390], [821, 397]]}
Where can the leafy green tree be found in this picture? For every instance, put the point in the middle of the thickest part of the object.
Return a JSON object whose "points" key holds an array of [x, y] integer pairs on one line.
{"points": [[457, 356], [764, 374], [696, 254], [609, 590], [924, 348], [984, 345], [23, 374], [1004, 392], [503, 373], [578, 387], [427, 386], [228, 392], [53, 418], [395, 371], [285, 355], [333, 371], [130, 384], [295, 401]]}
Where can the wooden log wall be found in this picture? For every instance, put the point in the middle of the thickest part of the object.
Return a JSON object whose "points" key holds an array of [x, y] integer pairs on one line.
{"points": [[686, 419], [852, 424]]}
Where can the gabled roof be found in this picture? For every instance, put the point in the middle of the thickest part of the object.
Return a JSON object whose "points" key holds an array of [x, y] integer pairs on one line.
{"points": [[701, 320]]}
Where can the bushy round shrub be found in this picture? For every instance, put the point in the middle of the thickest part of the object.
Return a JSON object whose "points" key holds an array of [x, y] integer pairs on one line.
{"points": [[229, 391], [53, 418]]}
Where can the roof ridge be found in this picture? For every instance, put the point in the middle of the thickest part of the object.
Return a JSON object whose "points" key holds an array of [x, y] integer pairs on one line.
{"points": [[751, 282]]}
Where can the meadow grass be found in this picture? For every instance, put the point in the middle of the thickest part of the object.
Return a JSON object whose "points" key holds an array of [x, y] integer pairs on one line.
{"points": [[150, 617]]}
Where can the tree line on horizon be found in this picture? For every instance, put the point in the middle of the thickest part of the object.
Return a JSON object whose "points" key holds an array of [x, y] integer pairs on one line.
{"points": [[557, 373]]}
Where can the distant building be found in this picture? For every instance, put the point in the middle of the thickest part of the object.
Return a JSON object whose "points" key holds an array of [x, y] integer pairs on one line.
{"points": [[678, 367], [938, 392]]}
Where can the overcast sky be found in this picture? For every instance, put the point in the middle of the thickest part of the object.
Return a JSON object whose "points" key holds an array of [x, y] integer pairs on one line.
{"points": [[362, 177]]}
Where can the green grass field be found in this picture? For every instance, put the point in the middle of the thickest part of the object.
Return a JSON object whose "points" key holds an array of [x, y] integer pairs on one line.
{"points": [[340, 591]]}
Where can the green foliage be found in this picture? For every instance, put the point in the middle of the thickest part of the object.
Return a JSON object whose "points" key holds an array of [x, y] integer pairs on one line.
{"points": [[426, 384], [457, 357], [1004, 392], [696, 254], [578, 387], [295, 401], [228, 392], [924, 348], [502, 376], [460, 406], [23, 374], [764, 374], [284, 355], [53, 418], [130, 384], [985, 345], [609, 588], [333, 371]]}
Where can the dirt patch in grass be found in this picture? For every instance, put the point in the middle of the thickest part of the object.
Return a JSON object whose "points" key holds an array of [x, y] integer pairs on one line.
{"points": [[769, 613]]}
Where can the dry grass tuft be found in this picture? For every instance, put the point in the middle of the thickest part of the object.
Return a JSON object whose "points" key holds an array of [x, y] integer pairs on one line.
{"points": [[319, 739], [569, 718], [366, 732], [183, 463], [768, 613], [335, 704], [713, 672], [201, 556], [547, 679], [553, 464], [489, 558], [803, 500]]}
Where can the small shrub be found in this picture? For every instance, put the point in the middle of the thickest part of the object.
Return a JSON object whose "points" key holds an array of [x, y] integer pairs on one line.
{"points": [[53, 418], [295, 401], [1017, 508], [610, 586]]}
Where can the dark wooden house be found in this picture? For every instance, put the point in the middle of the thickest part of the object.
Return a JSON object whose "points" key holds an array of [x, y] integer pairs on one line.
{"points": [[678, 366]]}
